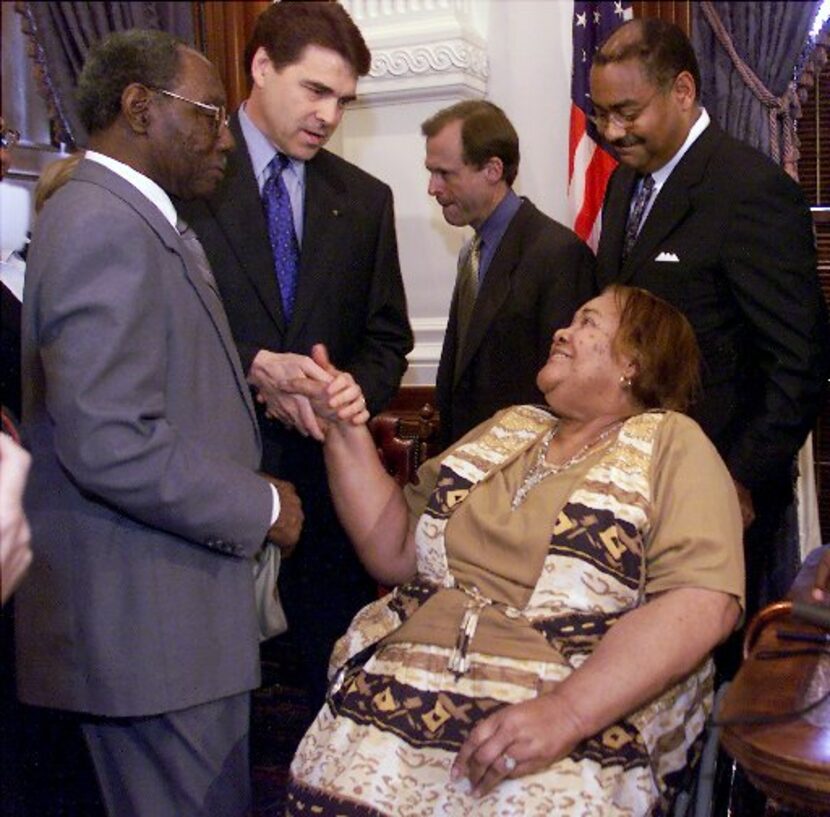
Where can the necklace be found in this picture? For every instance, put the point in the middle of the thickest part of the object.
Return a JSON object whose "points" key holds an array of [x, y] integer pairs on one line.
{"points": [[541, 468]]}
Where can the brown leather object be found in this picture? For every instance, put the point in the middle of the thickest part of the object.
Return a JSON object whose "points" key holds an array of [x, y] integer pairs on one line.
{"points": [[403, 440], [788, 760]]}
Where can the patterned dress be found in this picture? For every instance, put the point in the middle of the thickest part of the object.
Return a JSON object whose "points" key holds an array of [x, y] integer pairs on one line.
{"points": [[421, 666]]}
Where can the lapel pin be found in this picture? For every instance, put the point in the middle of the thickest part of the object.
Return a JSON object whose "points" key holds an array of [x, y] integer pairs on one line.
{"points": [[335, 212]]}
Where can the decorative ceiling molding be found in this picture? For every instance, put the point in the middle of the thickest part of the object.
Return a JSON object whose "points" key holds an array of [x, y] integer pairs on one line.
{"points": [[421, 49]]}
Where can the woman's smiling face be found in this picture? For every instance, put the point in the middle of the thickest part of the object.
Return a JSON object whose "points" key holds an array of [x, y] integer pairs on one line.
{"points": [[583, 368]]}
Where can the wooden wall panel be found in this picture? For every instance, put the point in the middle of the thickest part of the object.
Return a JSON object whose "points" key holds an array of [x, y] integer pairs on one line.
{"points": [[678, 12], [222, 30]]}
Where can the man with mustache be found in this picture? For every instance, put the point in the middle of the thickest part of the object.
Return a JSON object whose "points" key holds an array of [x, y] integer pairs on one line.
{"points": [[145, 507], [720, 231], [520, 278], [303, 247]]}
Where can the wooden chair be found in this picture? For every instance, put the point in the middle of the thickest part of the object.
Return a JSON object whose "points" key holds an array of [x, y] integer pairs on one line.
{"points": [[404, 441]]}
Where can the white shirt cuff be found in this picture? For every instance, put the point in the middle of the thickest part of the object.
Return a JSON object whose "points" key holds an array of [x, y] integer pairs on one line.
{"points": [[275, 507]]}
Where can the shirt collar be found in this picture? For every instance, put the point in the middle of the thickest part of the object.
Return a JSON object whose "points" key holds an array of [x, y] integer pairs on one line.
{"points": [[144, 184], [664, 172], [261, 150], [495, 225]]}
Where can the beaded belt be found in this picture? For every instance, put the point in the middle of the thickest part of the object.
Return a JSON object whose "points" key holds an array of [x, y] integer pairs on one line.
{"points": [[459, 661]]}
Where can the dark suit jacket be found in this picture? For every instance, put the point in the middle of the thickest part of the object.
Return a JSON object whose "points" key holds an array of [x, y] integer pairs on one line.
{"points": [[540, 275], [350, 294], [144, 504], [745, 277], [10, 381]]}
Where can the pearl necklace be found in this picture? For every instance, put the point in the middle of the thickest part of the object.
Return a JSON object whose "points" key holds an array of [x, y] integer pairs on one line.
{"points": [[541, 468]]}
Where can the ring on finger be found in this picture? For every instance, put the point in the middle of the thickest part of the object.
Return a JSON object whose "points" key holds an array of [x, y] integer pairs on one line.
{"points": [[508, 762]]}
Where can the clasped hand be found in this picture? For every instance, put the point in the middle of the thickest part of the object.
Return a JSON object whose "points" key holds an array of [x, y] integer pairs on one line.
{"points": [[305, 393], [333, 398]]}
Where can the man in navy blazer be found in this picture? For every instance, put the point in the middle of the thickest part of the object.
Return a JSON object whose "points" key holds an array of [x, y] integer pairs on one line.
{"points": [[145, 506], [532, 273], [726, 236], [303, 61]]}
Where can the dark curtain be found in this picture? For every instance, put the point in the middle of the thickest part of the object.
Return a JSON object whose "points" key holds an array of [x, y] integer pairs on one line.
{"points": [[748, 53], [60, 35]]}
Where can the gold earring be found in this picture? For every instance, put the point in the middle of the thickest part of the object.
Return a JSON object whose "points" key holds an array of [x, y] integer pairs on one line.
{"points": [[625, 382]]}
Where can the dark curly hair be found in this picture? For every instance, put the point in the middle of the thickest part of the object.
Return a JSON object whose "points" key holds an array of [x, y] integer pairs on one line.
{"points": [[118, 60]]}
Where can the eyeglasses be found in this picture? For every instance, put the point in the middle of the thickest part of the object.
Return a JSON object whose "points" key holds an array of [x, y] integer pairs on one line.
{"points": [[219, 113], [9, 138], [622, 119]]}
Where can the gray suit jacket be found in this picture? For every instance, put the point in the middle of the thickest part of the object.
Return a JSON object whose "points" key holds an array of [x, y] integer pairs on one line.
{"points": [[144, 505]]}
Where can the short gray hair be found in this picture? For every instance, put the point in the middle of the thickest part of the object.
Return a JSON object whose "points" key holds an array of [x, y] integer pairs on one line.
{"points": [[120, 59]]}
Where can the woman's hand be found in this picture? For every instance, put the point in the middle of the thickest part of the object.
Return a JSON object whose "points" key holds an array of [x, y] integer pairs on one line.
{"points": [[340, 399], [517, 740]]}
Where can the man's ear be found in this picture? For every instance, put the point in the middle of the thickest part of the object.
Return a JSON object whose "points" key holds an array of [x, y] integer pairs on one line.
{"points": [[684, 89], [494, 170], [135, 106], [260, 63]]}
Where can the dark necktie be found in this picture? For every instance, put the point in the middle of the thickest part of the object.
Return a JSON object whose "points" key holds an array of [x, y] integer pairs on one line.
{"points": [[197, 253], [635, 217], [281, 233], [467, 292]]}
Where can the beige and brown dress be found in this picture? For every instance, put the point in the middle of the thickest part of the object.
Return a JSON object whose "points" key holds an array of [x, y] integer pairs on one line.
{"points": [[509, 599]]}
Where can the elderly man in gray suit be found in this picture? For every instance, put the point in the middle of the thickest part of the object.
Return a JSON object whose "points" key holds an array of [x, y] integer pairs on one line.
{"points": [[145, 506]]}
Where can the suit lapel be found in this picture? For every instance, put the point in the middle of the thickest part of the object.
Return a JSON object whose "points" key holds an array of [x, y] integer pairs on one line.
{"points": [[614, 218], [237, 208], [495, 288], [212, 302], [324, 223], [672, 203]]}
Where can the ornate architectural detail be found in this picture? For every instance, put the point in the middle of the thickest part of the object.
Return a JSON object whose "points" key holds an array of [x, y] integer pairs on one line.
{"points": [[454, 55], [420, 49]]}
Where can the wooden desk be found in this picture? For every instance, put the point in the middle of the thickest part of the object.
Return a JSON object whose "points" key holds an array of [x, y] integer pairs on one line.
{"points": [[789, 762]]}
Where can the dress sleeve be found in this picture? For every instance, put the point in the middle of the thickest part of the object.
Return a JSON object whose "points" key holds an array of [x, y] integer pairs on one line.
{"points": [[696, 538]]}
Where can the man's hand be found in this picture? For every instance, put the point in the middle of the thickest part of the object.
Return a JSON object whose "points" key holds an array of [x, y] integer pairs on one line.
{"points": [[286, 530], [821, 589], [269, 374], [15, 536], [745, 501]]}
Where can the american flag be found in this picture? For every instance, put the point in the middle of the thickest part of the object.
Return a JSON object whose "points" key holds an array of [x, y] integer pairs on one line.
{"points": [[589, 165]]}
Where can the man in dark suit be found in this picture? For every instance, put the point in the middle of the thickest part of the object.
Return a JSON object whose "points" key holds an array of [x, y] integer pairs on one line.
{"points": [[331, 276], [720, 231], [519, 279], [145, 507]]}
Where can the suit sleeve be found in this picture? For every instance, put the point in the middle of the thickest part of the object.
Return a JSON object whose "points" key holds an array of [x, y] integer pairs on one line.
{"points": [[380, 362], [569, 271], [770, 261], [105, 321]]}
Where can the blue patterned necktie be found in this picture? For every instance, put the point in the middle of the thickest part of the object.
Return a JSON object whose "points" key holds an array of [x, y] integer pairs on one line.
{"points": [[281, 233], [635, 217]]}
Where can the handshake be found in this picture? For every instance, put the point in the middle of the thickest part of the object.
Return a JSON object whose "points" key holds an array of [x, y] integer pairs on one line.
{"points": [[306, 393]]}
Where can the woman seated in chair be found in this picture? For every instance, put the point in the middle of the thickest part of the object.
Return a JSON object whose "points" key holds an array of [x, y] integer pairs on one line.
{"points": [[562, 574]]}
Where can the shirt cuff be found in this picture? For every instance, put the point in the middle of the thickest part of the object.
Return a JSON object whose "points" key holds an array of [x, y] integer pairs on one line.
{"points": [[275, 506]]}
